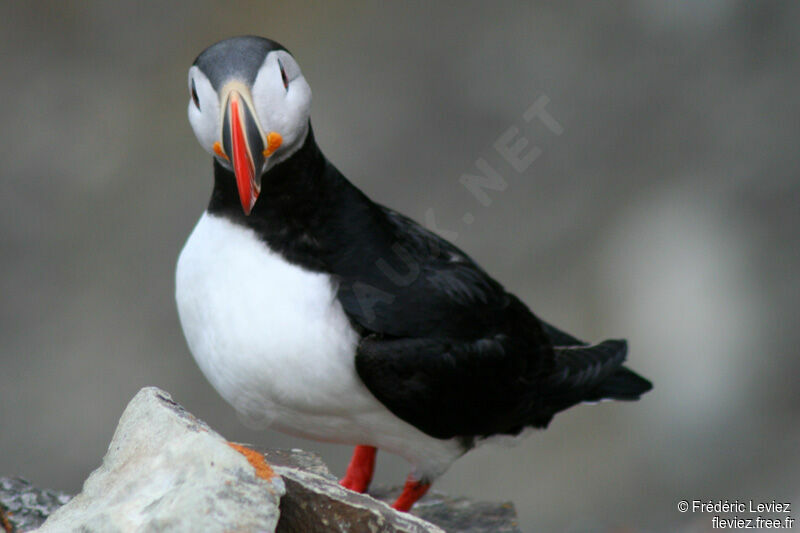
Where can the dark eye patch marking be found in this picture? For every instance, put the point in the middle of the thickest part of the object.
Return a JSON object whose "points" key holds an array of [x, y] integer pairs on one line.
{"points": [[283, 76], [195, 99]]}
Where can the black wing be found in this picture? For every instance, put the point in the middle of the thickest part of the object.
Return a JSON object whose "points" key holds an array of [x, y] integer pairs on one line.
{"points": [[447, 349], [412, 283]]}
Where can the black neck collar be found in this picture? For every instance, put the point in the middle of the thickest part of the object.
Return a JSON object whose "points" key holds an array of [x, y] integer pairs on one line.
{"points": [[306, 211]]}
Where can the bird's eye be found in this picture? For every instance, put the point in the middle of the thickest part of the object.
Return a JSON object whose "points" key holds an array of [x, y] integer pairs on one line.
{"points": [[283, 76], [195, 99]]}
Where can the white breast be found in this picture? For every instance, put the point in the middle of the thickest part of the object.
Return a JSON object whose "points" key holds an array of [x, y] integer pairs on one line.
{"points": [[274, 341], [262, 329]]}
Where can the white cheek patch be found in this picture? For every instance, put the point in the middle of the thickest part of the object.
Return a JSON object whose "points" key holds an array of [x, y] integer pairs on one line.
{"points": [[283, 111], [205, 120], [269, 96]]}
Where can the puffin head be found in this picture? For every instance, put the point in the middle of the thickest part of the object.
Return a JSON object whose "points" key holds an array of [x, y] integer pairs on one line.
{"points": [[249, 107]]}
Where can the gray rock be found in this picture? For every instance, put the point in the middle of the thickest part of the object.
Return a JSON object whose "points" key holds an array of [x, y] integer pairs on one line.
{"points": [[165, 470], [303, 503], [459, 515], [23, 507], [299, 459], [316, 503]]}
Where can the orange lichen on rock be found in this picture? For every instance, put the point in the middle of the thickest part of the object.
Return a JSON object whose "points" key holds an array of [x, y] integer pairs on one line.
{"points": [[256, 459], [4, 522]]}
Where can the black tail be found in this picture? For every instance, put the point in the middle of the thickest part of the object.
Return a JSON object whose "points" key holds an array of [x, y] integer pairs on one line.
{"points": [[591, 373], [624, 384]]}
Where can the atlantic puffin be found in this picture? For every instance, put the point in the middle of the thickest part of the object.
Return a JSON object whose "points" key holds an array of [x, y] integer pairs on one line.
{"points": [[325, 315]]}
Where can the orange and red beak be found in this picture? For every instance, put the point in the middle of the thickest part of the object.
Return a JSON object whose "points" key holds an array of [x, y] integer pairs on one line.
{"points": [[243, 143]]}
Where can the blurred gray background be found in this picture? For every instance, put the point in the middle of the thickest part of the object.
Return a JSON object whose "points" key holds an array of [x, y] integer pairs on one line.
{"points": [[666, 212]]}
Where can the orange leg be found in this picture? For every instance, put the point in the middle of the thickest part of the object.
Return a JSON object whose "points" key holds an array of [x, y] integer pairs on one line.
{"points": [[412, 491], [359, 472]]}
